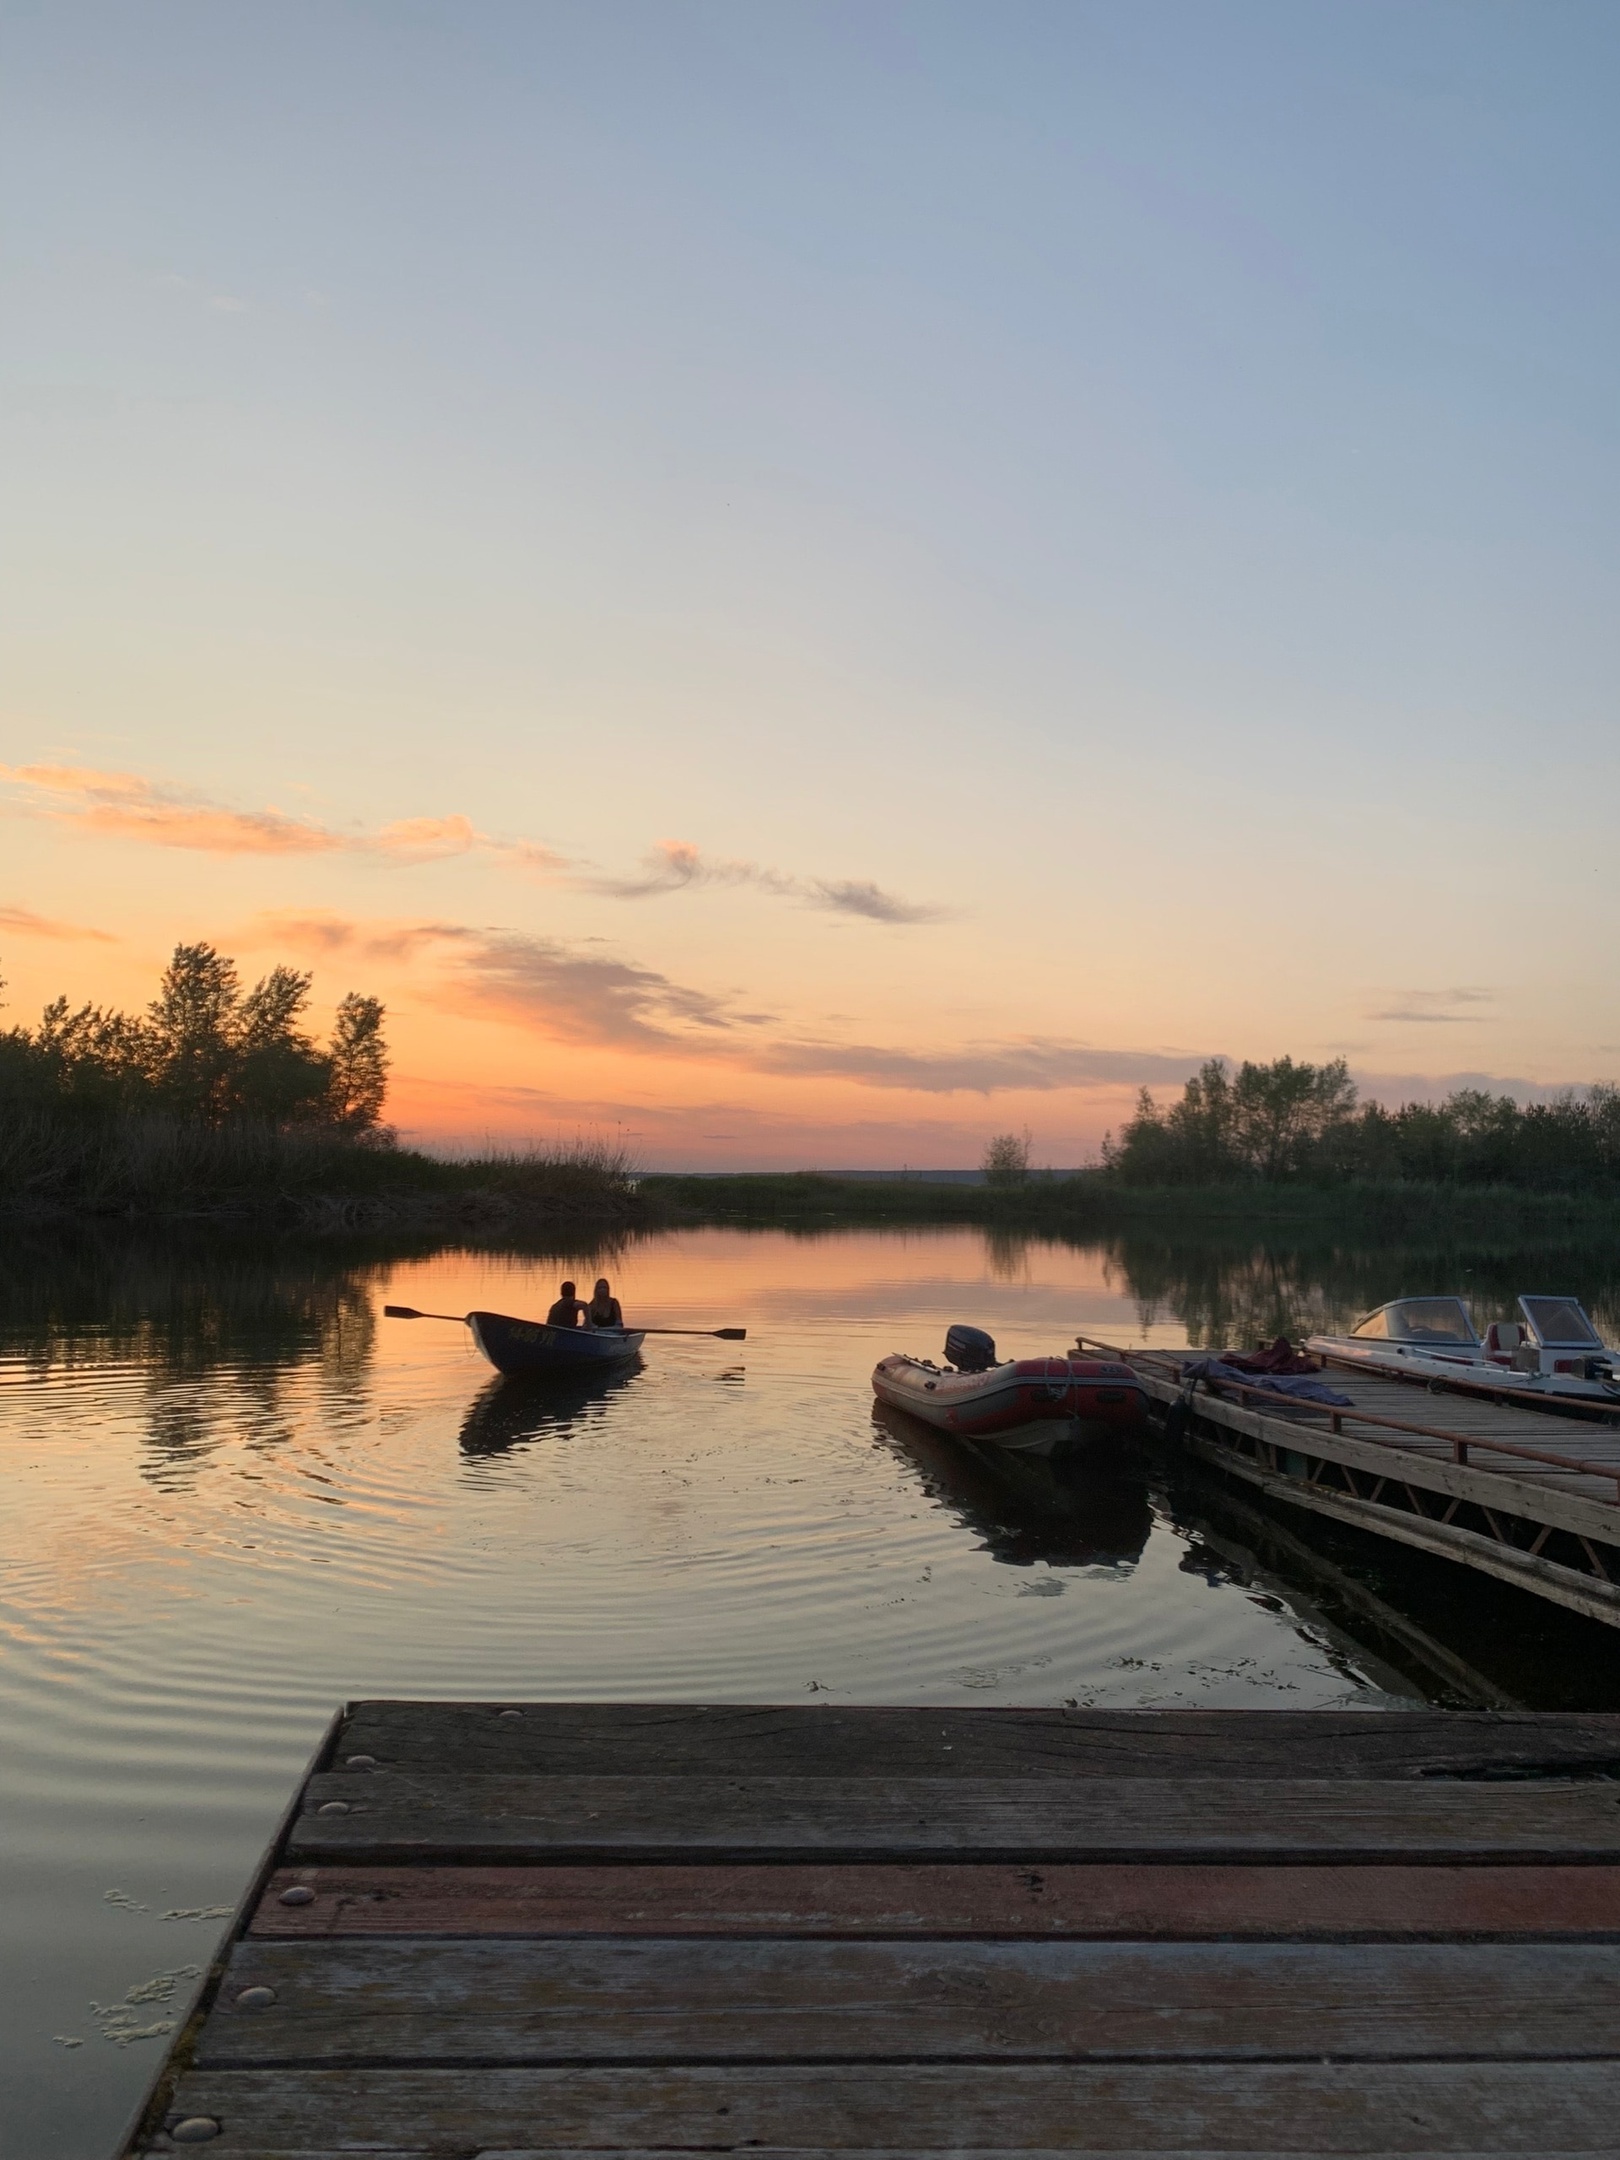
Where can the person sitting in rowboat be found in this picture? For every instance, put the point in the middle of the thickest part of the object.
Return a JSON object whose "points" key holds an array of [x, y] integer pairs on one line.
{"points": [[569, 1310], [604, 1310]]}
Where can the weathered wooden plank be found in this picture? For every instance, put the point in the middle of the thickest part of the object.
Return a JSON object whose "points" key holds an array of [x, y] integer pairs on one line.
{"points": [[1183, 2108], [1584, 1594], [929, 1898], [532, 2152], [718, 1740], [390, 1817], [692, 2001], [1425, 1463]]}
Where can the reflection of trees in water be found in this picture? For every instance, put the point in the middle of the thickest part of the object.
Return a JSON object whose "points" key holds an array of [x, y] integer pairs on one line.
{"points": [[1006, 1253], [218, 1332], [1229, 1291]]}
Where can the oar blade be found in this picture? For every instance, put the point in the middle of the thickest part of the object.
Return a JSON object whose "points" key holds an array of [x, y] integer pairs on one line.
{"points": [[732, 1334], [402, 1312]]}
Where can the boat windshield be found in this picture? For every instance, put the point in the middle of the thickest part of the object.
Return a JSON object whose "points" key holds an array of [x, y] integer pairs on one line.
{"points": [[1561, 1323], [1422, 1320]]}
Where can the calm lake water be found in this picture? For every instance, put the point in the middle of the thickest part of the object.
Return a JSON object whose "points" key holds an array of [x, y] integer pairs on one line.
{"points": [[236, 1497]]}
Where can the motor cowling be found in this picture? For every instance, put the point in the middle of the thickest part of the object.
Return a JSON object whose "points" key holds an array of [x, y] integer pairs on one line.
{"points": [[969, 1349]]}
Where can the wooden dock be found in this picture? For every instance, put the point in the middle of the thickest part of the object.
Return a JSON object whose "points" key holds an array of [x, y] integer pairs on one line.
{"points": [[1530, 1499], [535, 1929]]}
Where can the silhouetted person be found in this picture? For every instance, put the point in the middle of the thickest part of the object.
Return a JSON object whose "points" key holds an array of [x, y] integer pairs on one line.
{"points": [[604, 1310], [568, 1311]]}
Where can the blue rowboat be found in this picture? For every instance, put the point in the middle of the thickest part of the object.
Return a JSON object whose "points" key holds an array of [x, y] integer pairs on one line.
{"points": [[533, 1347]]}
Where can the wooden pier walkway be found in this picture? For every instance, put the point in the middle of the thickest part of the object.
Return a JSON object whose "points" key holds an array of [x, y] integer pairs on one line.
{"points": [[1531, 1499], [508, 1930]]}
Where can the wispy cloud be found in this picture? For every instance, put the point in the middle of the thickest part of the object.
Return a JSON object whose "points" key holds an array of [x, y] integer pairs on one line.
{"points": [[580, 996], [574, 993], [126, 806], [568, 992], [1437, 1007], [25, 923], [679, 866], [1034, 1063]]}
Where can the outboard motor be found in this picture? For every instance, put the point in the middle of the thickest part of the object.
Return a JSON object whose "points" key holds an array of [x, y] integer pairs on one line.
{"points": [[969, 1349]]}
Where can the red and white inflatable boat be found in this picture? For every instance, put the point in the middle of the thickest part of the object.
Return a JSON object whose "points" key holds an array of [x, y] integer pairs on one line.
{"points": [[1029, 1404]]}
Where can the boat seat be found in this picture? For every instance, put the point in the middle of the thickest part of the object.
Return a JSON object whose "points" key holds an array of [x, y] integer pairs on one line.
{"points": [[1502, 1338]]}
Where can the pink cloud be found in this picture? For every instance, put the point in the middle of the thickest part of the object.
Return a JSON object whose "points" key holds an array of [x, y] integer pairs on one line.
{"points": [[429, 839], [27, 924], [124, 806]]}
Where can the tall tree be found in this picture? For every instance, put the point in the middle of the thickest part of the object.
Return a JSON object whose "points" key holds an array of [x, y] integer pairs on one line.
{"points": [[358, 1063], [279, 1074], [192, 1023]]}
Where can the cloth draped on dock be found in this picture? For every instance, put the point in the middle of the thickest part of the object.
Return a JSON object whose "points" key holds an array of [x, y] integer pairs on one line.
{"points": [[1300, 1387]]}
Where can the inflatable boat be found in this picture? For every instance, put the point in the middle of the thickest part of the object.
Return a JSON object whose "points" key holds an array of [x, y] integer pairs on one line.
{"points": [[1028, 1404]]}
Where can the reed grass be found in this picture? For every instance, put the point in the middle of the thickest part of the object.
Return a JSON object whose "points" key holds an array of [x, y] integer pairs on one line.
{"points": [[147, 1165]]}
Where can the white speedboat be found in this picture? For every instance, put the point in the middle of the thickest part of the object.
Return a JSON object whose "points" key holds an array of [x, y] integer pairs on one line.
{"points": [[1551, 1355]]}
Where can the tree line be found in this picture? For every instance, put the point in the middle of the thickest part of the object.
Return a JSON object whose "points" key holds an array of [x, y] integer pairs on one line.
{"points": [[1284, 1122], [205, 1051]]}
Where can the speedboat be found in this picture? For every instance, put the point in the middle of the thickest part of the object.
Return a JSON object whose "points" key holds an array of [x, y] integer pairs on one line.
{"points": [[535, 1348], [1028, 1404], [1551, 1355]]}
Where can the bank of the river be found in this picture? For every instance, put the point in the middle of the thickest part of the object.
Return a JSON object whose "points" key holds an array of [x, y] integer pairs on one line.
{"points": [[1096, 1203], [166, 1169]]}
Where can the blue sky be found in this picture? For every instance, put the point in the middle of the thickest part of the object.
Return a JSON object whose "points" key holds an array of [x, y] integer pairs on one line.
{"points": [[1132, 485]]}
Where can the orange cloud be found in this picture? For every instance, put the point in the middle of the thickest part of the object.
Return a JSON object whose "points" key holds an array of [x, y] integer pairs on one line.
{"points": [[125, 806], [429, 839], [27, 924]]}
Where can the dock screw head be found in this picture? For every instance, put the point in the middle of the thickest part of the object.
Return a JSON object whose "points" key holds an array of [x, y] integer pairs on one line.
{"points": [[255, 1998], [299, 1894], [511, 1713], [360, 1762], [333, 1807], [195, 2130]]}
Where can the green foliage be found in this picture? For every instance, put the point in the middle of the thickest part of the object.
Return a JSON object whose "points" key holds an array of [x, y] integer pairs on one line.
{"points": [[204, 1053], [1284, 1123], [1006, 1159], [357, 1078]]}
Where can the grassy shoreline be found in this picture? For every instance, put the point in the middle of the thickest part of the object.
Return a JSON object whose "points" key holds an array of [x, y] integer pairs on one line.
{"points": [[156, 1169], [166, 1170], [1093, 1202]]}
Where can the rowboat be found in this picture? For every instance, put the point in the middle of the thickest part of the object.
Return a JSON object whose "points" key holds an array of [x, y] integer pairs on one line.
{"points": [[1026, 1404], [538, 1350], [1551, 1357]]}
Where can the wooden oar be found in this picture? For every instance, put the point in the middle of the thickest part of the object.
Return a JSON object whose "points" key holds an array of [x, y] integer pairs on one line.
{"points": [[725, 1334]]}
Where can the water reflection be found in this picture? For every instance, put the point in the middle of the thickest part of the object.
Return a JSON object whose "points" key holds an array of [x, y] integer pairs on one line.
{"points": [[1079, 1507], [511, 1412], [236, 1497], [1222, 1289]]}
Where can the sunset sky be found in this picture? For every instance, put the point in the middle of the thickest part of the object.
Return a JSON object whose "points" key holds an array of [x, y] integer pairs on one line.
{"points": [[808, 582]]}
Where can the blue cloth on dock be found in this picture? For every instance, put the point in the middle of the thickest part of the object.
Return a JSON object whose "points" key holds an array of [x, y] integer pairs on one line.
{"points": [[1300, 1387]]}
